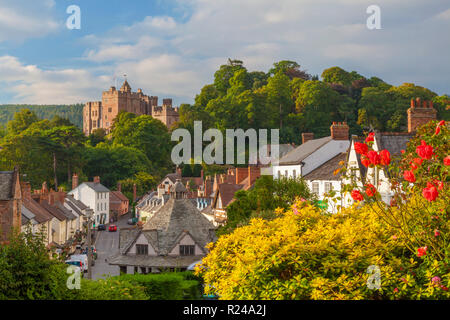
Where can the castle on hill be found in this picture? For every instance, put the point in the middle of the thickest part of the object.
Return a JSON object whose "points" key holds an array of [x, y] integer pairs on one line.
{"points": [[100, 114]]}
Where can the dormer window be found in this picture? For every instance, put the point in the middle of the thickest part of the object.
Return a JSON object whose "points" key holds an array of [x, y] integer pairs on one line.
{"points": [[187, 250], [142, 249]]}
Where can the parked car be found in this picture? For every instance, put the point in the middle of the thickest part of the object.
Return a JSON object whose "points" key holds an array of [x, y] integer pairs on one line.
{"points": [[101, 227], [94, 251], [112, 228], [83, 258], [132, 221]]}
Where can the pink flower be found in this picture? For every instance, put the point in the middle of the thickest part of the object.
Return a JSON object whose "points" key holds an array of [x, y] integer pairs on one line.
{"points": [[436, 280], [396, 290]]}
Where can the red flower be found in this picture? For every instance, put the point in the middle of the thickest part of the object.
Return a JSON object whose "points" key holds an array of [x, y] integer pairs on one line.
{"points": [[438, 184], [357, 196], [447, 161], [361, 148], [418, 161], [444, 288], [441, 123], [422, 251], [365, 161], [437, 233], [396, 290], [370, 190], [370, 137], [409, 176], [413, 166], [374, 157], [402, 151], [430, 192], [424, 151], [385, 157], [438, 129]]}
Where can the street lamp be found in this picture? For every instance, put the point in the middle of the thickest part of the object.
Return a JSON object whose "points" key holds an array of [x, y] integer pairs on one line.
{"points": [[89, 213]]}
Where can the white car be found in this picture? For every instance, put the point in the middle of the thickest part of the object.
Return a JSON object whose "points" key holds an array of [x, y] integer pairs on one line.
{"points": [[83, 258]]}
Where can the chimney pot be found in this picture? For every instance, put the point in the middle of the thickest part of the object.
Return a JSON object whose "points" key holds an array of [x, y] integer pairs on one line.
{"points": [[74, 181], [96, 179], [306, 136]]}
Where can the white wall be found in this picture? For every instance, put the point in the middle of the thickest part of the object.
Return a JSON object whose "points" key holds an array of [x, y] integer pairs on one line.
{"points": [[336, 186], [142, 240], [97, 201], [187, 241], [290, 171]]}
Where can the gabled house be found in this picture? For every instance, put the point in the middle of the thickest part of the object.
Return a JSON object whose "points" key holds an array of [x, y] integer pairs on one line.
{"points": [[327, 178], [173, 238], [10, 203], [312, 153], [95, 196]]}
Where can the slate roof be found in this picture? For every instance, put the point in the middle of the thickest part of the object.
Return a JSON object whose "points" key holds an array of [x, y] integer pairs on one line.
{"points": [[69, 215], [326, 170], [40, 213], [300, 153], [98, 187], [80, 205], [164, 228], [6, 185], [154, 261], [394, 142], [58, 214]]}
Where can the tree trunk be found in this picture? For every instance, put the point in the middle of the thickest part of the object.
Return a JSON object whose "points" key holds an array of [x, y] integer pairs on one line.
{"points": [[54, 171]]}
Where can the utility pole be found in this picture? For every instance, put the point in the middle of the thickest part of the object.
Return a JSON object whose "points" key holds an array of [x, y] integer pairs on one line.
{"points": [[89, 244]]}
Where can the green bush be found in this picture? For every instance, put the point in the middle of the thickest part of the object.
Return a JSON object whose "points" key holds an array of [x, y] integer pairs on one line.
{"points": [[109, 289], [166, 286]]}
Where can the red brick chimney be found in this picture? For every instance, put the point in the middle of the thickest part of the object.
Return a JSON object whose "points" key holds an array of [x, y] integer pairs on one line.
{"points": [[96, 179], [253, 174], [26, 190], [74, 181], [179, 171], [134, 192], [339, 131], [420, 113], [119, 187], [241, 174], [306, 136]]}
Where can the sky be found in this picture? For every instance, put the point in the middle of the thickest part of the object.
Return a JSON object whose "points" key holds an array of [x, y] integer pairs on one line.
{"points": [[172, 48]]}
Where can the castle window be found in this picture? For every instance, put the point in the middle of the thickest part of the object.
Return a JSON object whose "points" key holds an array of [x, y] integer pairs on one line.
{"points": [[109, 109], [187, 250]]}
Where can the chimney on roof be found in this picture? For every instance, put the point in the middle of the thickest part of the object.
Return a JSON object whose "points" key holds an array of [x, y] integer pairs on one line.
{"points": [[96, 179], [241, 174], [179, 171], [339, 131], [420, 113], [119, 187], [74, 181], [253, 174], [26, 190], [306, 136]]}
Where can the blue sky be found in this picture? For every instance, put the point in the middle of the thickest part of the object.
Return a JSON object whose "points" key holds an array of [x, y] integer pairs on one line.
{"points": [[172, 48]]}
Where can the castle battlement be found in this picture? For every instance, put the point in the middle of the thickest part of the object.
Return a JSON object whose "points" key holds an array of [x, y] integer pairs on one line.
{"points": [[101, 114]]}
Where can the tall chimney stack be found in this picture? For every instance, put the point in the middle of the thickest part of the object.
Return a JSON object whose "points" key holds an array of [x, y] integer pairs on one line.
{"points": [[96, 179], [420, 113], [339, 131], [74, 181], [119, 187]]}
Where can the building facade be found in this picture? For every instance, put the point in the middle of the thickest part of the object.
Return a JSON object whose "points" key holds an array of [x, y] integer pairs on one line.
{"points": [[101, 114]]}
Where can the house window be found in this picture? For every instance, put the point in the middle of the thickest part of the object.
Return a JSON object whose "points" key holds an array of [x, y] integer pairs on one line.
{"points": [[187, 250], [315, 187], [142, 249], [328, 186]]}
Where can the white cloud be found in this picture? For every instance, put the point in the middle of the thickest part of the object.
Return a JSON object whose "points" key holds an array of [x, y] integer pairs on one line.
{"points": [[20, 21]]}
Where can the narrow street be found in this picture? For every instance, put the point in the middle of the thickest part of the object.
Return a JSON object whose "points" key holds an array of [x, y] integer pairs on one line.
{"points": [[107, 244]]}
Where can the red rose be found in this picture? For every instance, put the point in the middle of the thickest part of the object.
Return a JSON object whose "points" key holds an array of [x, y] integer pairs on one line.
{"points": [[438, 129], [424, 151], [409, 176], [441, 123], [385, 157], [365, 161], [361, 148], [438, 184], [370, 137], [413, 166], [430, 192], [437, 233], [374, 157], [402, 151], [447, 161], [357, 196], [370, 190], [422, 251]]}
